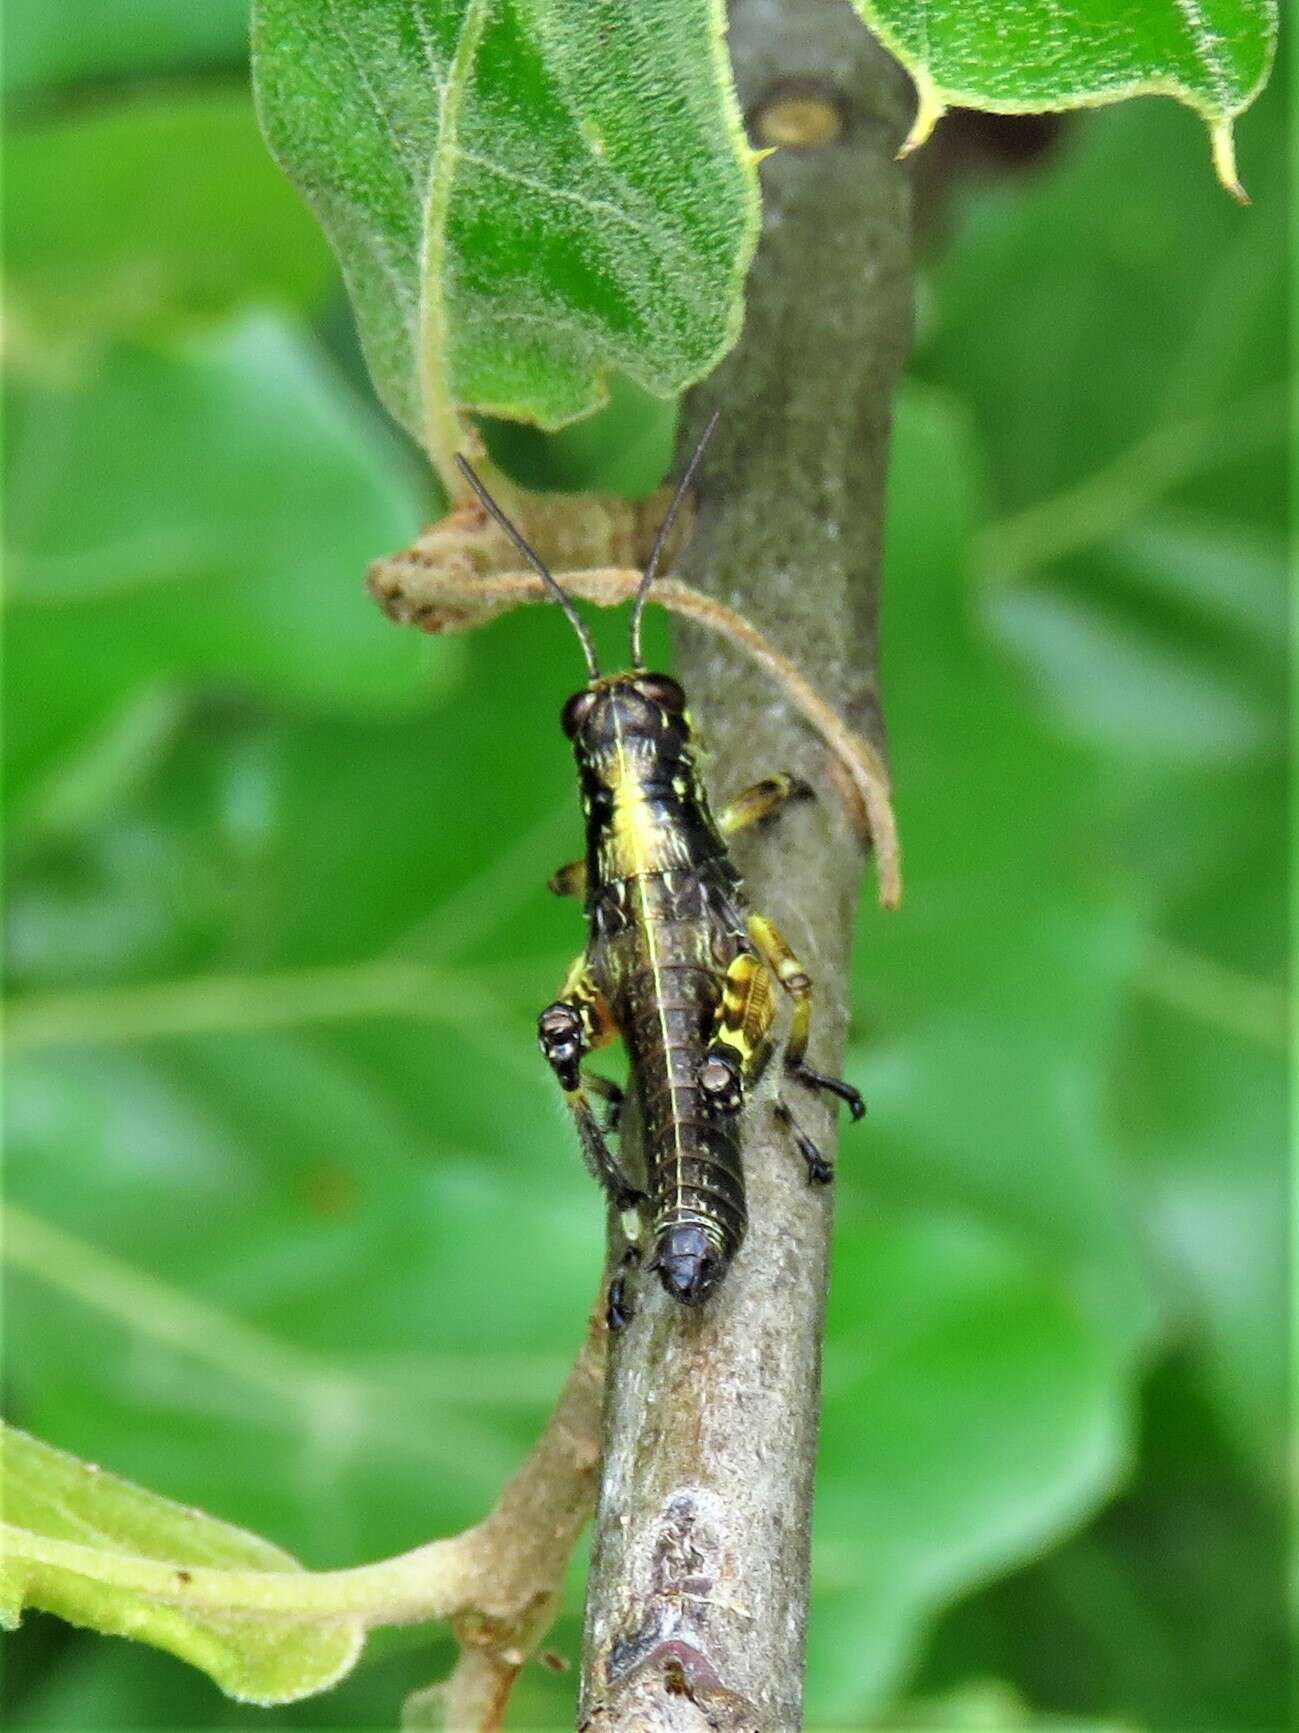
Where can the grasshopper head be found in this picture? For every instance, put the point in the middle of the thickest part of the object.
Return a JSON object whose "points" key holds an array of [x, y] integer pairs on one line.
{"points": [[626, 706]]}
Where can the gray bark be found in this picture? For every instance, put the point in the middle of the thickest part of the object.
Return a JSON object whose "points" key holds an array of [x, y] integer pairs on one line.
{"points": [[697, 1598]]}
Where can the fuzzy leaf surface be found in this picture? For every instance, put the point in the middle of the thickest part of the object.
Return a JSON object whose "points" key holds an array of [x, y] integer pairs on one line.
{"points": [[72, 1534], [521, 197]]}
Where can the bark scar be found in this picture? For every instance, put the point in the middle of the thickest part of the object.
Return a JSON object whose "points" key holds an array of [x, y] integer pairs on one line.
{"points": [[667, 1651]]}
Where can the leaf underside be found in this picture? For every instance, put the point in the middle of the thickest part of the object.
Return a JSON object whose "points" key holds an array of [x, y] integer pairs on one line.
{"points": [[1013, 58], [525, 197], [521, 198], [52, 1498]]}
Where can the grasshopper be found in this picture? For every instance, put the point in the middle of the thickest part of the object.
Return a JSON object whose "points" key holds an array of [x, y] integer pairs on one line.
{"points": [[676, 962]]}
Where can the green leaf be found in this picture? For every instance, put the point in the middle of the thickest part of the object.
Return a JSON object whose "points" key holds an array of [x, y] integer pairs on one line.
{"points": [[1017, 58], [1134, 256], [1137, 575], [966, 1347], [1136, 578], [990, 1293], [1170, 1611], [521, 198], [140, 214], [52, 42], [76, 1541], [205, 510]]}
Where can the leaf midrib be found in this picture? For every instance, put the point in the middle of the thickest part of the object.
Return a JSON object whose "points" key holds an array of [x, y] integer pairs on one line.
{"points": [[441, 422]]}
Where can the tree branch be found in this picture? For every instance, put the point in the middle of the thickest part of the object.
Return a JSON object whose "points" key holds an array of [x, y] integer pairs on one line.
{"points": [[697, 1600]]}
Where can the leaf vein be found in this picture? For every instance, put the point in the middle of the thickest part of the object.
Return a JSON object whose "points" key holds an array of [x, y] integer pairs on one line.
{"points": [[441, 423], [399, 148], [568, 195], [430, 48], [1204, 42]]}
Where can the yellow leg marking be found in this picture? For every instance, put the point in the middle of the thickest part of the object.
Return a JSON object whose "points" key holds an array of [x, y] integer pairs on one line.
{"points": [[762, 801], [785, 966], [740, 1044], [746, 1013], [774, 949], [570, 880], [580, 991]]}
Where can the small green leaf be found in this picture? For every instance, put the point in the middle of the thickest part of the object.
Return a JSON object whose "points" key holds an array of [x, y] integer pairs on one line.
{"points": [[1017, 58], [521, 197], [76, 1539]]}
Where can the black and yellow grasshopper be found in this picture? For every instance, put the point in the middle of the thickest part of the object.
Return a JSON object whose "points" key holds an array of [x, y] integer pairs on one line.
{"points": [[675, 961]]}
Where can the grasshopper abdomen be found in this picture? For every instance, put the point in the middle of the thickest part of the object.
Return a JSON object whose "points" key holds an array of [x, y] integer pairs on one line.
{"points": [[693, 1167]]}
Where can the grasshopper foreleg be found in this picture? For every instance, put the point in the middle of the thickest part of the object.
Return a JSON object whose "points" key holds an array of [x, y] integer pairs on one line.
{"points": [[566, 1031]]}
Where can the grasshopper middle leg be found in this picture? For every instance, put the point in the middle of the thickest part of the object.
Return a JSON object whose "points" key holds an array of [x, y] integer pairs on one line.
{"points": [[763, 800]]}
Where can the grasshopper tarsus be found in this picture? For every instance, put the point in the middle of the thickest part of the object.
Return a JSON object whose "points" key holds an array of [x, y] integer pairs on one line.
{"points": [[619, 1308], [618, 1311], [820, 1169], [813, 1079]]}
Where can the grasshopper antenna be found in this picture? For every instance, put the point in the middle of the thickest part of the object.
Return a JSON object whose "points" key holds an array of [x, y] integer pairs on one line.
{"points": [[538, 565], [660, 540]]}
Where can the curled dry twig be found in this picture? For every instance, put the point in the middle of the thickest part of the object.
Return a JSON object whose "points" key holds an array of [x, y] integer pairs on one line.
{"points": [[460, 575]]}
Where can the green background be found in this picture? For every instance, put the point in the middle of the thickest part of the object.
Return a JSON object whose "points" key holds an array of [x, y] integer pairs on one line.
{"points": [[320, 1269]]}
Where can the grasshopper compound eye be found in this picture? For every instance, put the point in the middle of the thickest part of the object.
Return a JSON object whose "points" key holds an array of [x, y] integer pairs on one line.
{"points": [[663, 690], [576, 711]]}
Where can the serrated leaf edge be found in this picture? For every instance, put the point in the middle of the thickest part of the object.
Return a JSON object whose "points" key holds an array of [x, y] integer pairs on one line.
{"points": [[934, 99]]}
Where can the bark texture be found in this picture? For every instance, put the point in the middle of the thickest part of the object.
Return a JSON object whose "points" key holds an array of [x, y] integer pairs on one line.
{"points": [[697, 1598]]}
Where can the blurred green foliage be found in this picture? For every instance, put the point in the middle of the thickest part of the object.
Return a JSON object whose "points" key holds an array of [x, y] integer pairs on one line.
{"points": [[314, 1255]]}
